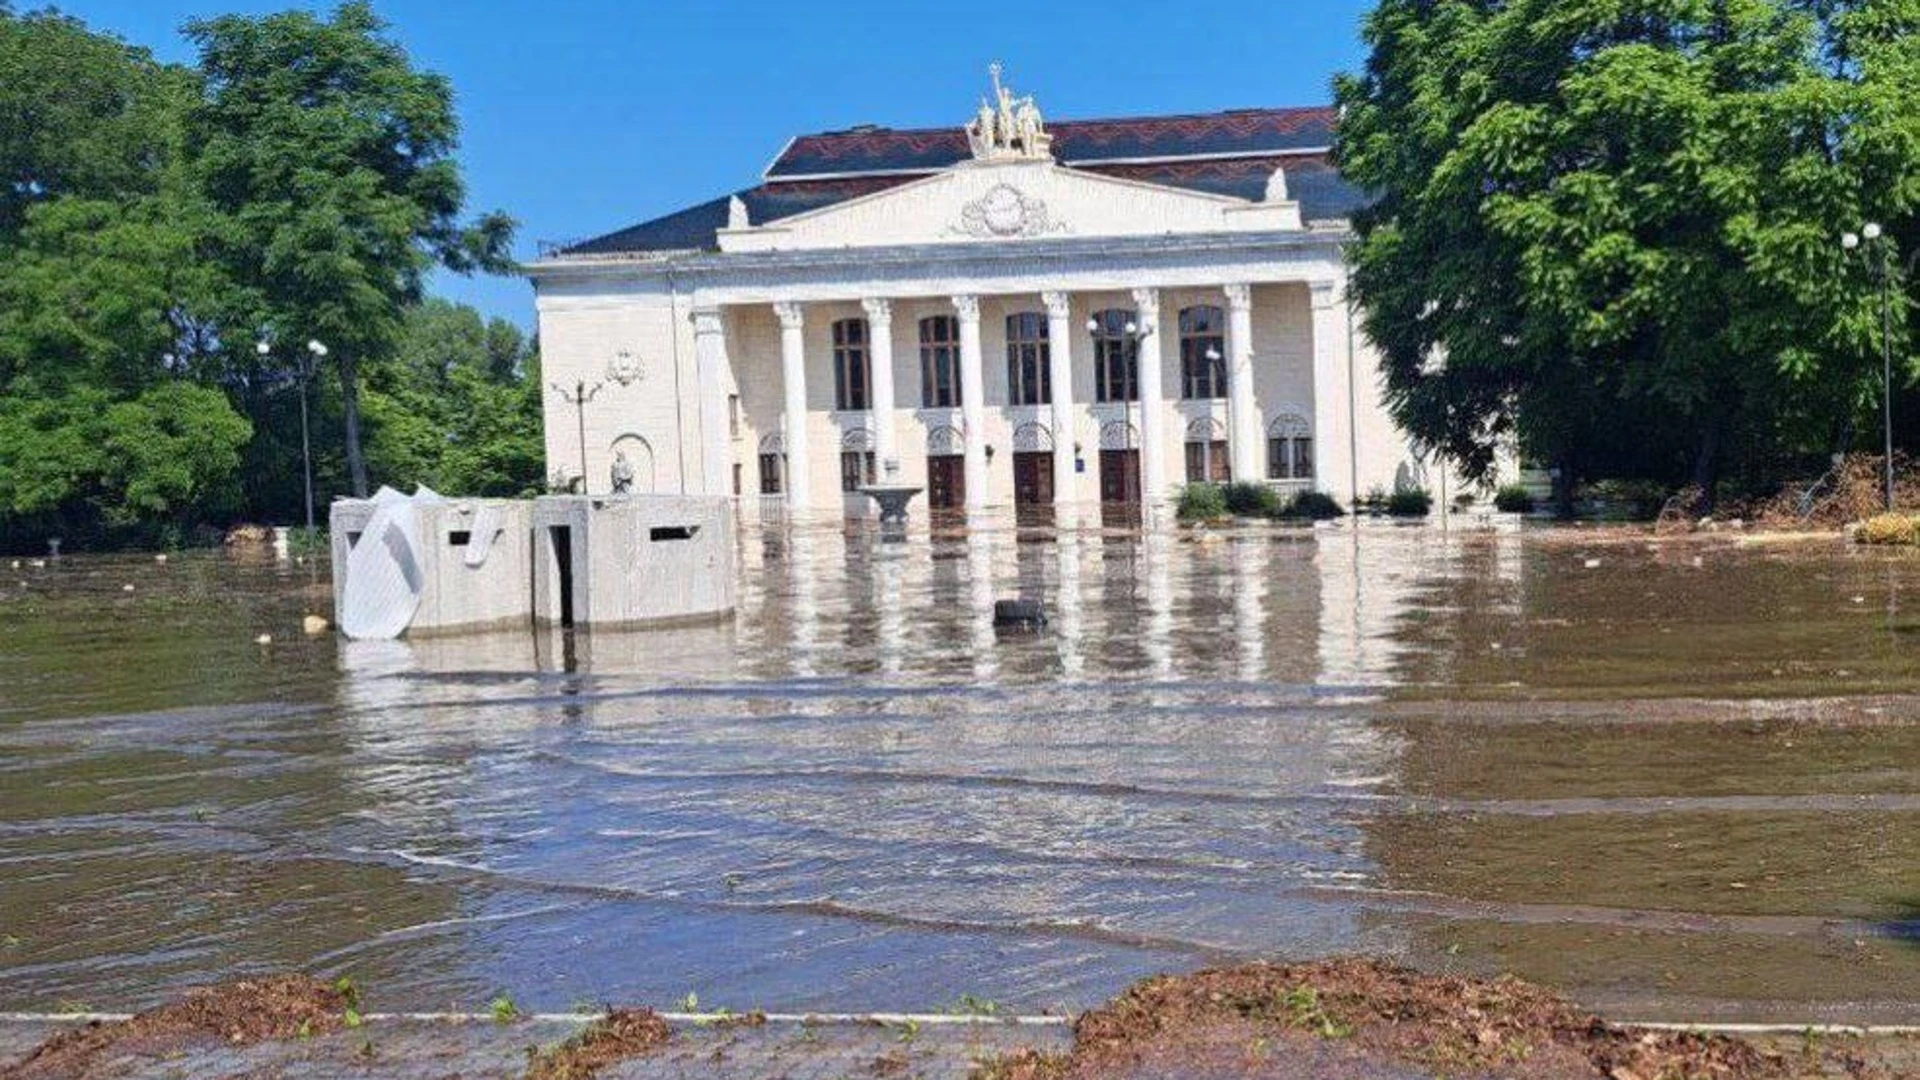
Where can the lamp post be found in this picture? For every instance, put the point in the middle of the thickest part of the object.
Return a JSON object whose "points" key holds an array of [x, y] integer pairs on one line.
{"points": [[316, 352], [1877, 247], [1130, 335], [578, 398]]}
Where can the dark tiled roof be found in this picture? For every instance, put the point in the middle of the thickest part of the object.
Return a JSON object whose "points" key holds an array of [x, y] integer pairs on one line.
{"points": [[1242, 131], [1106, 147]]}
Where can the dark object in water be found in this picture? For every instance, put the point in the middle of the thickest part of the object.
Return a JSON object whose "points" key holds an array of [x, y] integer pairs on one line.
{"points": [[1019, 615]]}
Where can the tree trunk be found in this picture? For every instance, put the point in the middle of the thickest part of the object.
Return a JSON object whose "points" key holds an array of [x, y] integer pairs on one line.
{"points": [[1563, 490], [1706, 469], [350, 413]]}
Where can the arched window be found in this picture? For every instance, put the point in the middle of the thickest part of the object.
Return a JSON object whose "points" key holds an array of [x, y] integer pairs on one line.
{"points": [[1207, 459], [850, 372], [1028, 380], [1203, 350], [940, 362], [773, 464], [856, 459], [1116, 364], [1289, 448]]}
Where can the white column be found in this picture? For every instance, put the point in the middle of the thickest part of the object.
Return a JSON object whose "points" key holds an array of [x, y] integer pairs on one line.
{"points": [[1060, 375], [793, 368], [1153, 419], [711, 364], [1332, 393], [973, 404], [880, 359], [1243, 423]]}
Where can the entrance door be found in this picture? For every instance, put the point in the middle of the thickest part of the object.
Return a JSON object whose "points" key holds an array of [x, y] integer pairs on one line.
{"points": [[1032, 484], [947, 482], [1120, 476]]}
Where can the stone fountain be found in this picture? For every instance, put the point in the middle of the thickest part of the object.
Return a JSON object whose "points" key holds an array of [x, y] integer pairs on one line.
{"points": [[892, 497]]}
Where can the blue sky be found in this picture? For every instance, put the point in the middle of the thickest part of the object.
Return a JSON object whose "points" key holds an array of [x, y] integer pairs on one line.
{"points": [[582, 116]]}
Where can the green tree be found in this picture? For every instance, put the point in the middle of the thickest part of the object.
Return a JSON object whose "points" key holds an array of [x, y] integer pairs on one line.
{"points": [[1617, 220], [330, 158]]}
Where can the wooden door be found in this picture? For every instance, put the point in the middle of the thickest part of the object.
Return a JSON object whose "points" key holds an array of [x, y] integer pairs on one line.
{"points": [[1120, 477], [1033, 479], [947, 482]]}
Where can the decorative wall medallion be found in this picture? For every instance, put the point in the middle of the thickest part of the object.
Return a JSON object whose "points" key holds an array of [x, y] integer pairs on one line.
{"points": [[1005, 211], [626, 369]]}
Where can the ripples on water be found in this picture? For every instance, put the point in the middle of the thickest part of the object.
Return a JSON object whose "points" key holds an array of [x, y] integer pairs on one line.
{"points": [[1457, 749]]}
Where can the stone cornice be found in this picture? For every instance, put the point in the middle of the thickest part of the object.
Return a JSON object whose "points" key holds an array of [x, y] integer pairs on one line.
{"points": [[708, 265]]}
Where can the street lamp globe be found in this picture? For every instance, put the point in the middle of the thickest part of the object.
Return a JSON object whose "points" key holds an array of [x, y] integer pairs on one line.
{"points": [[1871, 230], [1133, 327], [1850, 241], [1093, 326], [316, 348], [263, 348]]}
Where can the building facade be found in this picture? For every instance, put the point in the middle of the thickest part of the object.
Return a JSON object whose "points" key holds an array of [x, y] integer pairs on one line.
{"points": [[1011, 315]]}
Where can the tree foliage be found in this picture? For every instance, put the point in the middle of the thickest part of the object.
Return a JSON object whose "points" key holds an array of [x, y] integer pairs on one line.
{"points": [[1617, 222], [157, 221]]}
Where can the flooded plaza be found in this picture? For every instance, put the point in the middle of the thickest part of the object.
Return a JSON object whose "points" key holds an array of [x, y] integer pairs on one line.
{"points": [[1675, 780]]}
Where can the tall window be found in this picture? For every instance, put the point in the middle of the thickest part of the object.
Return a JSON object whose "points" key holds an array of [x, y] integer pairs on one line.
{"points": [[1028, 380], [1289, 449], [1116, 368], [856, 460], [771, 467], [940, 362], [1203, 350], [850, 372]]}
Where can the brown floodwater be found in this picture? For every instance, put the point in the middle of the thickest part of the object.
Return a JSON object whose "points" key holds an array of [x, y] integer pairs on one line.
{"points": [[1675, 780]]}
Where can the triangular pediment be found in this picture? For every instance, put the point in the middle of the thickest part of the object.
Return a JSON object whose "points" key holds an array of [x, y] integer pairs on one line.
{"points": [[986, 202]]}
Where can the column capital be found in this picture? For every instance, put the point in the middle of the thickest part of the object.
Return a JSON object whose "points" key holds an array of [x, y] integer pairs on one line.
{"points": [[792, 314], [879, 310], [1059, 304], [1327, 293], [706, 320], [1147, 302], [1239, 295], [968, 306]]}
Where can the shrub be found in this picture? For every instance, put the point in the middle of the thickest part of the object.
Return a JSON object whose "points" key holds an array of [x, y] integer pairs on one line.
{"points": [[1314, 506], [1413, 502], [1889, 529], [1513, 499], [1249, 499], [1202, 502]]}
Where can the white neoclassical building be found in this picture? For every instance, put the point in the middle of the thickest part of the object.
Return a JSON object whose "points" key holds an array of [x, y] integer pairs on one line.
{"points": [[1013, 314]]}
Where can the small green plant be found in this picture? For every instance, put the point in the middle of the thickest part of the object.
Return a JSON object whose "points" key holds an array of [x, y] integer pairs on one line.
{"points": [[1246, 498], [909, 1031], [1301, 1008], [503, 1010], [305, 541], [1314, 506], [690, 1003], [349, 992], [969, 1005], [1410, 502], [1513, 499], [1376, 498], [1202, 502]]}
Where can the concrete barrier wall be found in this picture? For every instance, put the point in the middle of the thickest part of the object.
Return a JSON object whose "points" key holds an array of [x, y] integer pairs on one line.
{"points": [[633, 561], [455, 597]]}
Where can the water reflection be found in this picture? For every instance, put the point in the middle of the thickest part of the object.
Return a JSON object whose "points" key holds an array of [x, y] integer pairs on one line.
{"points": [[858, 795]]}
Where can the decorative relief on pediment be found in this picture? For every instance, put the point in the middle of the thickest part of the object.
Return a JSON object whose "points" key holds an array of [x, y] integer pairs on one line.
{"points": [[1005, 212]]}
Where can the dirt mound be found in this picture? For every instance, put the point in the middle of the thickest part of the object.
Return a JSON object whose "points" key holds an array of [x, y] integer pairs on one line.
{"points": [[1853, 490], [1366, 1019], [620, 1035], [240, 1013]]}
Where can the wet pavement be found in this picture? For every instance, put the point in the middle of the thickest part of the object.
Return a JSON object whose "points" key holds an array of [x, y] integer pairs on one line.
{"points": [[1676, 780]]}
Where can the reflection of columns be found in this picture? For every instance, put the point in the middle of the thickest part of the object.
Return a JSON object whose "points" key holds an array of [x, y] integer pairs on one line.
{"points": [[1332, 393], [793, 369], [804, 600], [1159, 636], [1153, 437], [986, 658], [973, 400], [1060, 376], [1068, 603], [710, 360], [880, 356], [1243, 428], [1249, 608], [891, 606]]}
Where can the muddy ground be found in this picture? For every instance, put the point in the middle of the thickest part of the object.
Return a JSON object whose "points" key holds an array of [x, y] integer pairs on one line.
{"points": [[1347, 1019]]}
